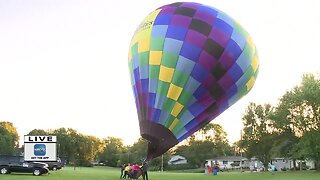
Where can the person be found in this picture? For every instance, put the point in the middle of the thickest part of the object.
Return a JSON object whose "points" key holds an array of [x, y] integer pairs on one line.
{"points": [[145, 170], [206, 170], [273, 169], [121, 170], [126, 171], [210, 170], [135, 171], [215, 170]]}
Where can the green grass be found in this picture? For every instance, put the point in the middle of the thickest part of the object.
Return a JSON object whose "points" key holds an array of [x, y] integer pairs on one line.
{"points": [[103, 173]]}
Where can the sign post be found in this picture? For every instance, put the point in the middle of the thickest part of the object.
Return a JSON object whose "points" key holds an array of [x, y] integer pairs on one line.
{"points": [[40, 148]]}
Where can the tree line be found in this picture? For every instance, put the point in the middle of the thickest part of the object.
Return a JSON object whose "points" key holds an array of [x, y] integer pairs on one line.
{"points": [[81, 150], [291, 129]]}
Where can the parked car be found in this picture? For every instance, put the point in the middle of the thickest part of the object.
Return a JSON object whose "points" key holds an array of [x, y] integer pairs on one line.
{"points": [[55, 165], [9, 164]]}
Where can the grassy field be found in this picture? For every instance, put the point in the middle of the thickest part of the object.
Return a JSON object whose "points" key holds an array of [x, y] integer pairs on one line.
{"points": [[103, 173]]}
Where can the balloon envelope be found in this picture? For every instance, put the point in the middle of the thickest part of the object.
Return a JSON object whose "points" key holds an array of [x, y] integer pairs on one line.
{"points": [[188, 63]]}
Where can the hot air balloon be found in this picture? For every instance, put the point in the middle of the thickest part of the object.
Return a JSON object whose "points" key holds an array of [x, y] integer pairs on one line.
{"points": [[188, 63]]}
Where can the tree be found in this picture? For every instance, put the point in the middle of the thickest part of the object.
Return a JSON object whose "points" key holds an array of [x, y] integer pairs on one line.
{"points": [[299, 109], [258, 132], [77, 148], [222, 146], [197, 151], [38, 132], [138, 151], [309, 146], [66, 143], [297, 118], [210, 141], [88, 148], [5, 141], [112, 151], [8, 138], [94, 147]]}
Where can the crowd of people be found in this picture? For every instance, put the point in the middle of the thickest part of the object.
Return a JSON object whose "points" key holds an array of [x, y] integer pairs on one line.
{"points": [[212, 170], [134, 171]]}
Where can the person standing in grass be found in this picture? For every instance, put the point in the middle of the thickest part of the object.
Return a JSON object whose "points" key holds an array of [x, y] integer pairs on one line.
{"points": [[121, 170], [135, 171], [145, 170], [126, 170]]}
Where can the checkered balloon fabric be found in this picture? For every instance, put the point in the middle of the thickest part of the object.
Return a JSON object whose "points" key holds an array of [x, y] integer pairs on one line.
{"points": [[188, 63]]}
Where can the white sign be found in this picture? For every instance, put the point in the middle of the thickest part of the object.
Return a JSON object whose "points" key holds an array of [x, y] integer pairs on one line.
{"points": [[40, 148]]}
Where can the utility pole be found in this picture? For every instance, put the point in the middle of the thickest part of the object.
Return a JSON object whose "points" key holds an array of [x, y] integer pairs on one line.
{"points": [[241, 151], [162, 163]]}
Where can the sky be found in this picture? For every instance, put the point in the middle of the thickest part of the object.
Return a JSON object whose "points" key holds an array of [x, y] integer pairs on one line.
{"points": [[63, 63]]}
